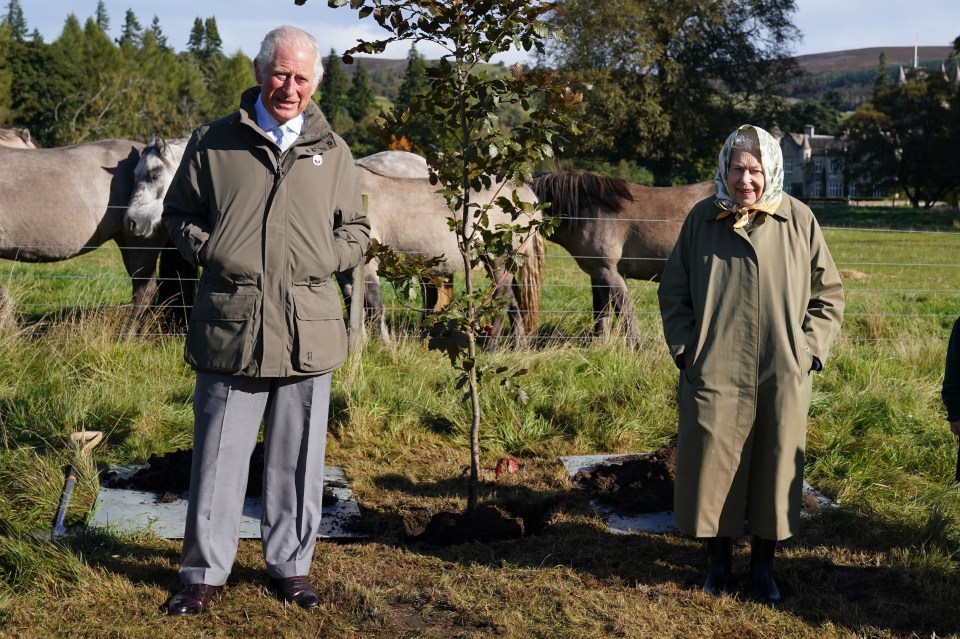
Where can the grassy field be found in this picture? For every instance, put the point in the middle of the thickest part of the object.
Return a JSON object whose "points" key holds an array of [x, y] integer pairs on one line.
{"points": [[879, 565]]}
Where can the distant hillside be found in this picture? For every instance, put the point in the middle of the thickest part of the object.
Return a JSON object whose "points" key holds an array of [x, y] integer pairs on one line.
{"points": [[860, 59], [372, 64], [846, 78]]}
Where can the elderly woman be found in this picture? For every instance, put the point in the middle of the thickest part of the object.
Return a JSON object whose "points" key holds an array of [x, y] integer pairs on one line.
{"points": [[750, 301]]}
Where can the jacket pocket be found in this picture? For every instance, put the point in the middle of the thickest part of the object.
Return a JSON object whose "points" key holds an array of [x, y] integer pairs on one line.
{"points": [[320, 342], [220, 335], [801, 351]]}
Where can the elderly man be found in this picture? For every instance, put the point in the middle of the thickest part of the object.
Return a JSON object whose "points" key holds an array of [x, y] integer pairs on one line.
{"points": [[265, 200]]}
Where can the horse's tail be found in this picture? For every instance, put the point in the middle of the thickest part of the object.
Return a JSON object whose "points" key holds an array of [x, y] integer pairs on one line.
{"points": [[530, 281]]}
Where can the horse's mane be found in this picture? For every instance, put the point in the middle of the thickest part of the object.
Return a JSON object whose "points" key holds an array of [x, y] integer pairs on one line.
{"points": [[570, 192], [158, 145]]}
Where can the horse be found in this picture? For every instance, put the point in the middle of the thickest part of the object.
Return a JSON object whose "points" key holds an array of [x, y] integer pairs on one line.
{"points": [[177, 277], [615, 230], [16, 138], [404, 211], [62, 202]]}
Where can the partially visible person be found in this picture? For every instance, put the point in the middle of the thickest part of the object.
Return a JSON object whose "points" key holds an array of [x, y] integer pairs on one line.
{"points": [[951, 380], [265, 200], [750, 301]]}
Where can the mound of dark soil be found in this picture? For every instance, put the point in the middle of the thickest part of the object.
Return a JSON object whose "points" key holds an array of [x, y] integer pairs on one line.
{"points": [[635, 484], [643, 483], [485, 524], [169, 474], [505, 520]]}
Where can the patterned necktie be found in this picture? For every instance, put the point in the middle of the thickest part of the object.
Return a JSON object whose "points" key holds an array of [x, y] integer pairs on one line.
{"points": [[277, 132]]}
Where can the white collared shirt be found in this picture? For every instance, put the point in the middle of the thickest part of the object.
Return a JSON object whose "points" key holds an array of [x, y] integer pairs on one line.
{"points": [[283, 134]]}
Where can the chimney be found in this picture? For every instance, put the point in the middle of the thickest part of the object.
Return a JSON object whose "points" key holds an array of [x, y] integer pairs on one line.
{"points": [[808, 130]]}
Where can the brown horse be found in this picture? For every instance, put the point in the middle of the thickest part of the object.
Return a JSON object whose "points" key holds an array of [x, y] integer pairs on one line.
{"points": [[615, 230]]}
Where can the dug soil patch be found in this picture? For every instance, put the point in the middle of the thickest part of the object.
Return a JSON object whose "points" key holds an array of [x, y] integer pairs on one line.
{"points": [[169, 475], [644, 483], [486, 524]]}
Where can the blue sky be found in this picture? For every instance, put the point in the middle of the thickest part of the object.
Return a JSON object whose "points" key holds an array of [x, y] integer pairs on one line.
{"points": [[827, 25]]}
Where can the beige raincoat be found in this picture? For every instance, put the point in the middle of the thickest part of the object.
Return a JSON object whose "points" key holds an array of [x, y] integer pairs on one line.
{"points": [[745, 311]]}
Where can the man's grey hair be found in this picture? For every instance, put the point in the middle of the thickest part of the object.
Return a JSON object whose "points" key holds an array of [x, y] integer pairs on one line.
{"points": [[287, 36]]}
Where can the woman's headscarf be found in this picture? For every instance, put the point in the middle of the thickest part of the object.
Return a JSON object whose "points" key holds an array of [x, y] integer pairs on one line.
{"points": [[771, 158]]}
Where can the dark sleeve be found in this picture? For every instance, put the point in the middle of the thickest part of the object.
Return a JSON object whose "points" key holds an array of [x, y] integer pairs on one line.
{"points": [[185, 213], [352, 231], [951, 375]]}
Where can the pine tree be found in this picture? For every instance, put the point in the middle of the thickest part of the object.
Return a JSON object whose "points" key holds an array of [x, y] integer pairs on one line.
{"points": [[419, 130], [6, 74], [101, 17], [157, 33], [360, 97], [15, 21], [132, 31], [333, 88], [212, 44], [415, 78], [195, 42], [883, 78]]}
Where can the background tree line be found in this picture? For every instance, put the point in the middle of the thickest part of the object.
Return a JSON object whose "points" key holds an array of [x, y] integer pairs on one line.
{"points": [[668, 81], [85, 86]]}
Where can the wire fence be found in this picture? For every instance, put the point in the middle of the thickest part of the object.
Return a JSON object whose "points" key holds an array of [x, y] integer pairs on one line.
{"points": [[918, 283]]}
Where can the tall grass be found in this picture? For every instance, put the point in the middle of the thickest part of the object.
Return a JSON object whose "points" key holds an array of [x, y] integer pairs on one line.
{"points": [[877, 443]]}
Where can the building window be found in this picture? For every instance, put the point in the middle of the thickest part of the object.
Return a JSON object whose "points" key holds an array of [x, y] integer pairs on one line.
{"points": [[818, 165], [852, 191], [788, 165], [815, 190], [834, 189]]}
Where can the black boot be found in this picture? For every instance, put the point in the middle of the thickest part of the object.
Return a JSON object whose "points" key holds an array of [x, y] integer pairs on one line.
{"points": [[719, 560], [761, 570]]}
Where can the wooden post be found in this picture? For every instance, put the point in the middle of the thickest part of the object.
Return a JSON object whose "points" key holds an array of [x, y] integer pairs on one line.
{"points": [[357, 332]]}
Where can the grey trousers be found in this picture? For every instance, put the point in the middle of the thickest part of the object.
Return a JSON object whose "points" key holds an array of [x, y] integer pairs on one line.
{"points": [[227, 412]]}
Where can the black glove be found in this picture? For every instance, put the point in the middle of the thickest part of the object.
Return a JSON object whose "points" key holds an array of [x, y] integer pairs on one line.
{"points": [[679, 361], [817, 365]]}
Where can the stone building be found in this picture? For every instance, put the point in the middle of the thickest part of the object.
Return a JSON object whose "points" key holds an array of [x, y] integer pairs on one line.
{"points": [[813, 165]]}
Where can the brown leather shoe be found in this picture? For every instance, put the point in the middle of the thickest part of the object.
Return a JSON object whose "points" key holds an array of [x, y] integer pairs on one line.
{"points": [[296, 590], [192, 600]]}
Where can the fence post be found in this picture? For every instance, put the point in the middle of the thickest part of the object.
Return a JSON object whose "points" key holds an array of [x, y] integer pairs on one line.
{"points": [[357, 332]]}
